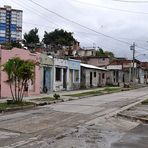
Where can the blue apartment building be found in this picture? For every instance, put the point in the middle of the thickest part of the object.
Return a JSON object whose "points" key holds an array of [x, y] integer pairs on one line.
{"points": [[10, 24]]}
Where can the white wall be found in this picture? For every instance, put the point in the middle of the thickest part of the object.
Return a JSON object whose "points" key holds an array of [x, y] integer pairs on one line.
{"points": [[63, 64]]}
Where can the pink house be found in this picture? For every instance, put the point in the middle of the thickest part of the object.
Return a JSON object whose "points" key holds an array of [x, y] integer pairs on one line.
{"points": [[5, 55]]}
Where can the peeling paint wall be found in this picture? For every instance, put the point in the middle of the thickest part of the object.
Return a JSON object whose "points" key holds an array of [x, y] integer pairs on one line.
{"points": [[46, 67], [74, 74], [61, 64], [98, 78]]}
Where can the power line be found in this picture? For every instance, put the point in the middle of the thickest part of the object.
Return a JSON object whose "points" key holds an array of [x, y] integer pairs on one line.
{"points": [[34, 24], [87, 38], [35, 12], [5, 2], [138, 40], [69, 20], [80, 32], [141, 47], [110, 8], [42, 15], [128, 1]]}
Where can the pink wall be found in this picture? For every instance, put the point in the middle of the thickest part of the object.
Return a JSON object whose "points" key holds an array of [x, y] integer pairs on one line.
{"points": [[23, 54]]}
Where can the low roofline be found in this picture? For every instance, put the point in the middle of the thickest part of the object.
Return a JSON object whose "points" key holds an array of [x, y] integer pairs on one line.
{"points": [[74, 60], [92, 67]]}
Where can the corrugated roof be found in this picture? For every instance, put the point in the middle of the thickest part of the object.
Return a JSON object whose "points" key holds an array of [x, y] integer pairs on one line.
{"points": [[92, 67]]}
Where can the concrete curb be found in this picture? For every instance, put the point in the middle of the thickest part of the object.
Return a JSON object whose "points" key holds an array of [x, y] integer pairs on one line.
{"points": [[94, 95], [17, 108], [133, 118], [133, 104], [37, 103], [76, 98], [42, 103], [116, 112]]}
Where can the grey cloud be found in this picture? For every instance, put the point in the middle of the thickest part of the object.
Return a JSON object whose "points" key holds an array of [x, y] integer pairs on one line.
{"points": [[126, 26]]}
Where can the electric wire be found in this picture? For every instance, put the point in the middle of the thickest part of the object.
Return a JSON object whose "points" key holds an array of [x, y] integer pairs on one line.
{"points": [[110, 8], [129, 1], [85, 27], [35, 12]]}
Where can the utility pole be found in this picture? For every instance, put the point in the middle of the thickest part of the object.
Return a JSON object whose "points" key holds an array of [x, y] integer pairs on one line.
{"points": [[132, 47]]}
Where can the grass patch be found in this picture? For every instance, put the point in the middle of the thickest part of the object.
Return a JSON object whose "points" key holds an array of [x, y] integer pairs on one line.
{"points": [[85, 94], [45, 99], [4, 106], [145, 102], [112, 89], [96, 92]]}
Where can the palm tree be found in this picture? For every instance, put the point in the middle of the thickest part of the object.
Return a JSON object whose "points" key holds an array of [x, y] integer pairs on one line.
{"points": [[19, 73]]}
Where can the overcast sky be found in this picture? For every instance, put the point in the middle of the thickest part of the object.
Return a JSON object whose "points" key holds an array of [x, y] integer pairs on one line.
{"points": [[121, 20]]}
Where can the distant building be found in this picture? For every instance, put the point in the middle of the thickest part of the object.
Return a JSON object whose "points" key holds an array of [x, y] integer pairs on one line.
{"points": [[144, 65], [92, 76], [121, 72], [86, 52], [10, 24], [100, 61]]}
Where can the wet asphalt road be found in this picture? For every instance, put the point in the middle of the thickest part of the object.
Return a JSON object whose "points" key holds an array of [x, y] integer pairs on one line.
{"points": [[135, 138], [38, 127]]}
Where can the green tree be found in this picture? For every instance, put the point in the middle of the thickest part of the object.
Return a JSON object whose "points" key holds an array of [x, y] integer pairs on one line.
{"points": [[101, 52], [59, 38], [10, 45], [109, 54], [31, 39], [19, 73]]}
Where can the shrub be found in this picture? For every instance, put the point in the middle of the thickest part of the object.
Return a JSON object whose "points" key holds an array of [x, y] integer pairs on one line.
{"points": [[56, 96]]}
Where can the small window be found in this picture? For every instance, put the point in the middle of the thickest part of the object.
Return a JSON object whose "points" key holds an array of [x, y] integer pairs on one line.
{"points": [[76, 75], [94, 74], [58, 74], [103, 75]]}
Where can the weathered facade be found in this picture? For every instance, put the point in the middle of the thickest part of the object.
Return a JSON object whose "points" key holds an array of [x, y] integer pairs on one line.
{"points": [[86, 52], [115, 75], [73, 74], [144, 66], [92, 76], [98, 61], [60, 74], [46, 67], [121, 72]]}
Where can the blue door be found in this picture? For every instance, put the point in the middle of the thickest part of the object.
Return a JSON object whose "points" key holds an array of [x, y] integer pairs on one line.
{"points": [[47, 79]]}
